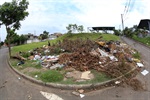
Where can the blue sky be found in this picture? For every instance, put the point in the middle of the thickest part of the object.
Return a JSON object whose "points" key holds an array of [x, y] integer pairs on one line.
{"points": [[55, 15]]}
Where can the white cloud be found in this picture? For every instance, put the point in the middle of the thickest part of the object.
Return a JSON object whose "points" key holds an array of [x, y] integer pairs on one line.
{"points": [[54, 16]]}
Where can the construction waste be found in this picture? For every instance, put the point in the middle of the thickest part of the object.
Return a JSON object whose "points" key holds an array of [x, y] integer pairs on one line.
{"points": [[113, 58]]}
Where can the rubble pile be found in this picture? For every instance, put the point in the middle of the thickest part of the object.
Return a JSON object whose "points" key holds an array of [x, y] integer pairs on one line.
{"points": [[110, 57], [77, 45]]}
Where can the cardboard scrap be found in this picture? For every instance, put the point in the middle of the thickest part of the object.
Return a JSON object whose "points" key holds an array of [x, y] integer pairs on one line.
{"points": [[85, 75]]}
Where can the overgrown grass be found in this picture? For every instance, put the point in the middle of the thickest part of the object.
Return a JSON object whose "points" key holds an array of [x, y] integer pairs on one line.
{"points": [[145, 40]]}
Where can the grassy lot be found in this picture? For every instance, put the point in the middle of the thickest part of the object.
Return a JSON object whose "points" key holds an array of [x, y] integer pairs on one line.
{"points": [[50, 75]]}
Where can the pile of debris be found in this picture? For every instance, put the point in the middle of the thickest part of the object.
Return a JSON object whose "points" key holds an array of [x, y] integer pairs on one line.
{"points": [[110, 57]]}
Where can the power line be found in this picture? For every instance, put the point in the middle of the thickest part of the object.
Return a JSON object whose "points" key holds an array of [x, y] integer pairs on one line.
{"points": [[127, 8]]}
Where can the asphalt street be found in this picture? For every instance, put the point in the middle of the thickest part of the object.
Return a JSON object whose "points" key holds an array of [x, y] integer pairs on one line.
{"points": [[14, 87]]}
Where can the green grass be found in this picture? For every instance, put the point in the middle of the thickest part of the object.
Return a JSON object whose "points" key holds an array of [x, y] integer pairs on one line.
{"points": [[98, 77], [137, 55], [92, 36], [28, 63], [145, 40], [33, 74], [51, 76]]}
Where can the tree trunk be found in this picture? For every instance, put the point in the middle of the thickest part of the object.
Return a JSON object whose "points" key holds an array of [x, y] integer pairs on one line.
{"points": [[9, 47]]}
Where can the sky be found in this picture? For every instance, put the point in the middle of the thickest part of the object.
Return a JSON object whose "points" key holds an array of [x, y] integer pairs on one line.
{"points": [[54, 15]]}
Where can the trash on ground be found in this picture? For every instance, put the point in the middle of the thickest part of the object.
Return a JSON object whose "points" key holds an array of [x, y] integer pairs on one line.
{"points": [[140, 65], [79, 57], [81, 91], [85, 75], [82, 95], [36, 76], [75, 93], [144, 72], [117, 82]]}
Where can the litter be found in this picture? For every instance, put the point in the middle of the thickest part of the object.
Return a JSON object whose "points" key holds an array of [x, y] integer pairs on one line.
{"points": [[57, 66], [81, 91], [113, 58], [36, 76], [103, 54], [140, 65], [144, 72], [20, 63], [117, 82], [85, 75], [81, 95], [37, 57], [75, 93]]}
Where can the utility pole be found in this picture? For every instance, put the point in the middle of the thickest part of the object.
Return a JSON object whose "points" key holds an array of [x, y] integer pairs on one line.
{"points": [[122, 24]]}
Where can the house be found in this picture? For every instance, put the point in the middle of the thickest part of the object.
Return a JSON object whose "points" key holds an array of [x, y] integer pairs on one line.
{"points": [[54, 36], [144, 25], [32, 38]]}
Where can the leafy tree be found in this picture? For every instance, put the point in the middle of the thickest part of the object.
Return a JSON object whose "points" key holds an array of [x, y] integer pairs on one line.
{"points": [[11, 13], [1, 43], [12, 37], [80, 28], [23, 38], [117, 32], [71, 28], [44, 35]]}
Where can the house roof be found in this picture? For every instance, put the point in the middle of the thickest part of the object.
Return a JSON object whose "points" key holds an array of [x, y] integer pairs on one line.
{"points": [[103, 28], [144, 24]]}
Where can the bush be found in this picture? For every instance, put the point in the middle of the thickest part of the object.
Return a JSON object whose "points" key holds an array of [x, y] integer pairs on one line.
{"points": [[51, 76]]}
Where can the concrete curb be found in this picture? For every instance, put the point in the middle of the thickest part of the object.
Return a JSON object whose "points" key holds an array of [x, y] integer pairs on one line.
{"points": [[70, 86]]}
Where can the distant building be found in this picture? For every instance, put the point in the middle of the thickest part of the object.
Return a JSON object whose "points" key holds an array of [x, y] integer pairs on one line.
{"points": [[144, 25], [32, 38], [54, 36], [98, 29]]}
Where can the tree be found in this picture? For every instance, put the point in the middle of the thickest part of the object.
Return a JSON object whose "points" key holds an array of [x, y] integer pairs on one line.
{"points": [[13, 38], [44, 35], [23, 38], [80, 28], [1, 43], [71, 28], [117, 32], [11, 13]]}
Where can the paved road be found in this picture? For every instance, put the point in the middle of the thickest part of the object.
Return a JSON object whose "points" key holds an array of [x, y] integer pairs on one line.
{"points": [[11, 88]]}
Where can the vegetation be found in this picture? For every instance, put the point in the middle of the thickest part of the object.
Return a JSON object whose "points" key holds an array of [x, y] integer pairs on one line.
{"points": [[145, 40], [51, 76], [92, 36], [74, 27], [11, 13], [137, 55], [15, 39], [44, 35]]}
